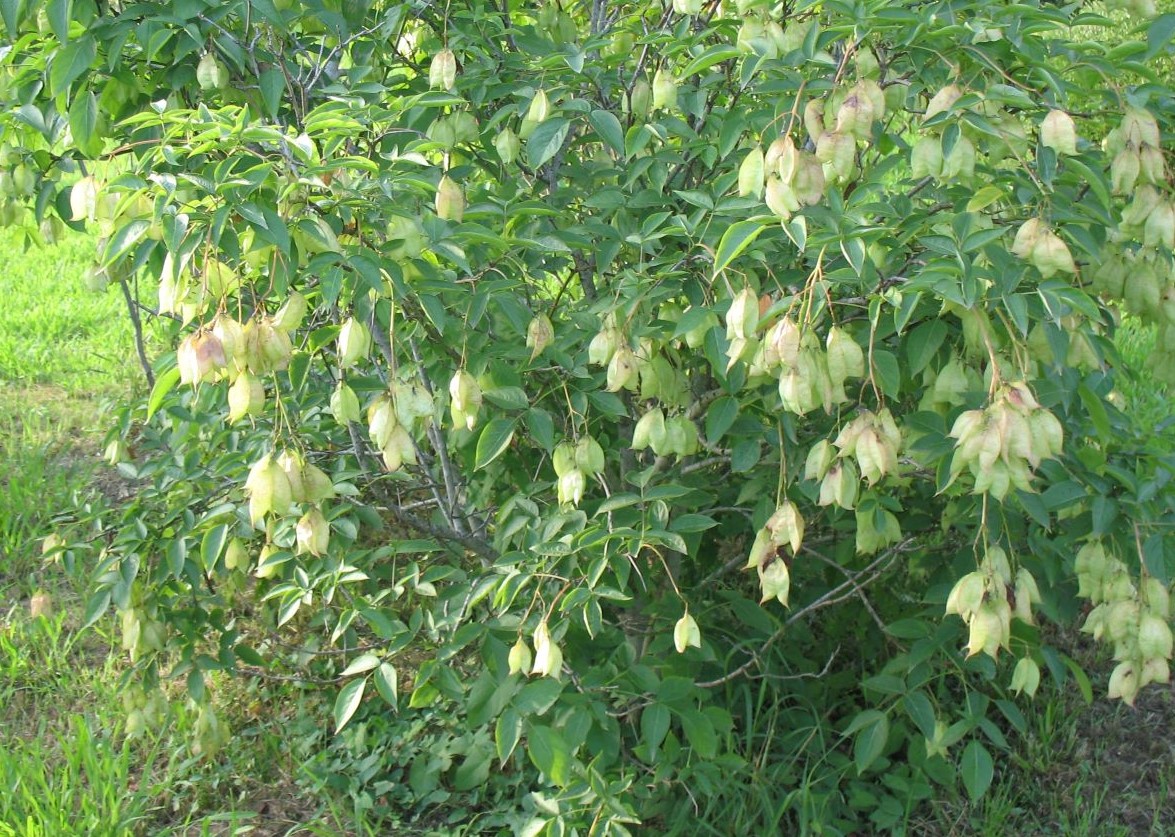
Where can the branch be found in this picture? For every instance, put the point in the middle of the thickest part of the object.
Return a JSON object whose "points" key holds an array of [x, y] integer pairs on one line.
{"points": [[844, 590], [857, 589], [447, 472], [441, 533], [585, 271], [508, 26], [137, 325]]}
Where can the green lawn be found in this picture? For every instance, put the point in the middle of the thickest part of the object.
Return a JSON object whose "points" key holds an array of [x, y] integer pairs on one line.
{"points": [[65, 766]]}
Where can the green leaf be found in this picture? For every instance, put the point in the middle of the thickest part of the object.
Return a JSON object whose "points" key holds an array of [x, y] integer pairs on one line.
{"points": [[248, 655], [1083, 684], [976, 769], [121, 242], [690, 523], [887, 372], [719, 417], [299, 370], [546, 141], [164, 383], [1159, 36], [542, 428], [984, 198], [714, 55], [70, 62], [654, 727], [737, 238], [195, 683], [548, 751], [83, 124], [854, 251], [1097, 411], [347, 702], [1096, 180], [360, 665], [699, 731], [921, 711], [507, 732], [872, 734], [923, 343], [508, 398], [59, 13], [10, 11], [538, 696], [474, 771], [212, 545], [96, 607], [494, 439], [609, 129], [387, 685], [745, 455], [273, 85], [670, 539]]}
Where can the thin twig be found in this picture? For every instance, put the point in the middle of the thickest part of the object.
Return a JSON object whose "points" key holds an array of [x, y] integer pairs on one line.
{"points": [[848, 575], [137, 325], [447, 536], [447, 471], [833, 596]]}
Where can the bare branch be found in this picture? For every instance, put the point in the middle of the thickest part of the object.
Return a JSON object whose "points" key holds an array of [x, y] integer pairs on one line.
{"points": [[845, 590], [445, 535], [137, 325]]}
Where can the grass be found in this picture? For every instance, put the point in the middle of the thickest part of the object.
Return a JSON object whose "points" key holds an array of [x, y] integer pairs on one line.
{"points": [[1098, 769], [65, 771], [65, 766], [63, 351], [53, 331], [1149, 402]]}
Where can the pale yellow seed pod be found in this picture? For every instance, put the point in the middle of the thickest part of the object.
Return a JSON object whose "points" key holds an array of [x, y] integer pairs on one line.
{"points": [[344, 404], [442, 72], [520, 658], [539, 334], [354, 342], [942, 101], [926, 158], [1124, 682], [742, 318], [1026, 677], [236, 557], [465, 399], [289, 317], [967, 595], [664, 90], [540, 107], [268, 488], [313, 533], [548, 659], [775, 581], [1026, 237], [507, 145], [210, 73], [199, 356], [246, 397], [649, 430], [750, 174], [686, 633], [1124, 171], [786, 526], [450, 200], [623, 372], [1059, 133]]}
